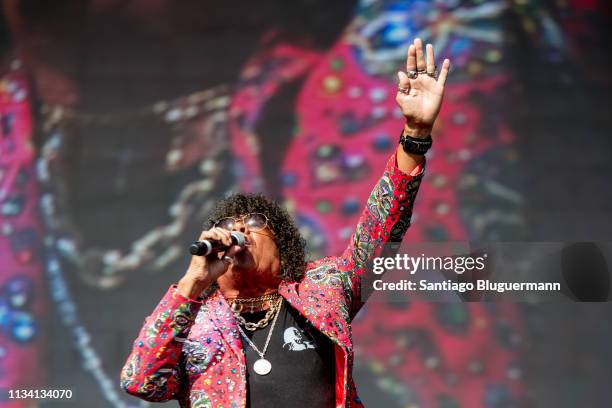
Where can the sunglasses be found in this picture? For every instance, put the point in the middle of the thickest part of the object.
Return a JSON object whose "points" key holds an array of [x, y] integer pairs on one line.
{"points": [[253, 221]]}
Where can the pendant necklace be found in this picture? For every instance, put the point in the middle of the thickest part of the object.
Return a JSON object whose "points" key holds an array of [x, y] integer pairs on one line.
{"points": [[263, 366]]}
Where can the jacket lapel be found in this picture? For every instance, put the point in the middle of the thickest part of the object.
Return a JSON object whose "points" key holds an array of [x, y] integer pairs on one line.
{"points": [[224, 321], [310, 300]]}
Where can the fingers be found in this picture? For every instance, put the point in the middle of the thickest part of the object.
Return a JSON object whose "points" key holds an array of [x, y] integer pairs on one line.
{"points": [[219, 234], [411, 60], [228, 256], [233, 250], [424, 61], [444, 72], [431, 61], [404, 81], [420, 58]]}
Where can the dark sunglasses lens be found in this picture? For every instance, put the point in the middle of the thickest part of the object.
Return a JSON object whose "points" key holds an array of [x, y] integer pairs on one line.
{"points": [[225, 223], [255, 221]]}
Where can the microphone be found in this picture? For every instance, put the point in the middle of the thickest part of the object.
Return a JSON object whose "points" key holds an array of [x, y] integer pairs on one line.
{"points": [[210, 246]]}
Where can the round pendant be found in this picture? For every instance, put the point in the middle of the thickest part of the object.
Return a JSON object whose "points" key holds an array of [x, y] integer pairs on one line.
{"points": [[262, 366]]}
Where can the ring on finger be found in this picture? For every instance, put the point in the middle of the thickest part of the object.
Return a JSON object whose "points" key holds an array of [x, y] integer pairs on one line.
{"points": [[405, 91], [434, 74], [412, 74]]}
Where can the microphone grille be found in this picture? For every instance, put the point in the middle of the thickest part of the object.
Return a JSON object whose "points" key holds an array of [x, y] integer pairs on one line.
{"points": [[239, 237]]}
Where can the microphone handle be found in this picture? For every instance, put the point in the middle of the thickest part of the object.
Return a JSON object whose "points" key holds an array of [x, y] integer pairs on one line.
{"points": [[206, 247]]}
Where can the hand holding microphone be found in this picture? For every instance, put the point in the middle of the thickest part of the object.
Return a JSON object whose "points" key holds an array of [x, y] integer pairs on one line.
{"points": [[206, 266], [206, 247]]}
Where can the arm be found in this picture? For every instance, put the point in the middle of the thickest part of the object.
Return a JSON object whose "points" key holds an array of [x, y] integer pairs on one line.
{"points": [[387, 214], [152, 371], [384, 221]]}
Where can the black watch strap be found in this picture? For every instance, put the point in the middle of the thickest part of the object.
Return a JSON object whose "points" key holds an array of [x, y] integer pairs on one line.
{"points": [[415, 145]]}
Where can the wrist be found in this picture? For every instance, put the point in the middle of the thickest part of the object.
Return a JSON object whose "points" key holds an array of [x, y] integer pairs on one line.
{"points": [[417, 131], [415, 145], [192, 287]]}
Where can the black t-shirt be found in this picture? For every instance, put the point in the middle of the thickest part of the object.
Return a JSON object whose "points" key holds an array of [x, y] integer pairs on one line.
{"points": [[303, 363]]}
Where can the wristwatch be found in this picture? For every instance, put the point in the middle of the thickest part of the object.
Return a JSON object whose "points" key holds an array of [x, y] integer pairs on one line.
{"points": [[415, 145]]}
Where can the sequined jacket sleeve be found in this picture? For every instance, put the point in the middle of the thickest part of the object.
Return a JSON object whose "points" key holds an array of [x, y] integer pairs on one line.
{"points": [[152, 371], [384, 221]]}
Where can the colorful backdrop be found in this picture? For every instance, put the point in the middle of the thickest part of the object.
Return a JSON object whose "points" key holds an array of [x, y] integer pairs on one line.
{"points": [[122, 122]]}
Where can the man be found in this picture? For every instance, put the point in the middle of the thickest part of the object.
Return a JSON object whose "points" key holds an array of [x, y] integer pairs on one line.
{"points": [[257, 326]]}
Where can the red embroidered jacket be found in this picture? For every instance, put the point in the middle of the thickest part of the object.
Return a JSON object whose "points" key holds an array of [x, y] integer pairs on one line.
{"points": [[190, 350]]}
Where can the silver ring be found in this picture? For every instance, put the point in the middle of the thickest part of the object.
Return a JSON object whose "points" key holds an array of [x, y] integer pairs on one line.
{"points": [[412, 74], [434, 74], [403, 90]]}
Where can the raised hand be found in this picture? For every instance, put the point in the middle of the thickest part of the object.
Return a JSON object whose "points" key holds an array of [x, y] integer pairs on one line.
{"points": [[421, 89]]}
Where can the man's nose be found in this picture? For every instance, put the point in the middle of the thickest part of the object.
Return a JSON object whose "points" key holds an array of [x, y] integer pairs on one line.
{"points": [[240, 227]]}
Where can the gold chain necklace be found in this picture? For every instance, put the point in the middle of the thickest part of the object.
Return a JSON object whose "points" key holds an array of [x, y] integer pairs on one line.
{"points": [[237, 305]]}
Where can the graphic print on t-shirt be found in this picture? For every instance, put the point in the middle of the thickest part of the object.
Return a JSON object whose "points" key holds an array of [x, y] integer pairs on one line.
{"points": [[296, 340]]}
